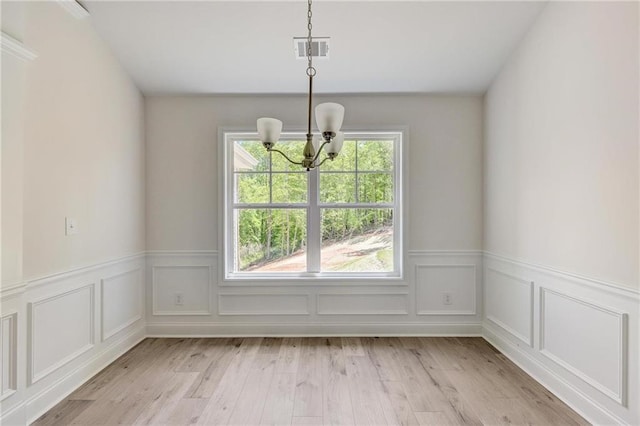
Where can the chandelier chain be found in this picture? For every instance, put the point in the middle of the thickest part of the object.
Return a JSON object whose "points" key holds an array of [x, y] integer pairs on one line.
{"points": [[311, 71]]}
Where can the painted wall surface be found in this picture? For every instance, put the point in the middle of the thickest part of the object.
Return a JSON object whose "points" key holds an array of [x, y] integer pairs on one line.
{"points": [[561, 144], [12, 122], [13, 88], [83, 147], [445, 166]]}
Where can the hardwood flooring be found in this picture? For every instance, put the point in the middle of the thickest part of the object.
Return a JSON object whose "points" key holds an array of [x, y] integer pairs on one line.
{"points": [[311, 381]]}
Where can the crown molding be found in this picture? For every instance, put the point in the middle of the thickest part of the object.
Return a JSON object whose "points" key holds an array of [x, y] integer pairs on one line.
{"points": [[76, 9], [15, 48]]}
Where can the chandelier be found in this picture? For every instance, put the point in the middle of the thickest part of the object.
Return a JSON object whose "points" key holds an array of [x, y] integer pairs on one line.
{"points": [[329, 117]]}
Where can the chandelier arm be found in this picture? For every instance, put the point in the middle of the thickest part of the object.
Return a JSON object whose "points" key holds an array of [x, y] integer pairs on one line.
{"points": [[323, 161], [319, 151], [285, 156]]}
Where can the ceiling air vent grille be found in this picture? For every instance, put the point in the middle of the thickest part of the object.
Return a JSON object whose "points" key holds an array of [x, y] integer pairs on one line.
{"points": [[319, 47]]}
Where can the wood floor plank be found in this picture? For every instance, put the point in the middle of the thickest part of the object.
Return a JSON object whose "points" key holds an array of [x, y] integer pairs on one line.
{"points": [[402, 409], [377, 349], [202, 355], [278, 408], [289, 355], [440, 351], [352, 346], [308, 399], [306, 421], [186, 412], [63, 413], [251, 401], [207, 381], [226, 394], [312, 381], [270, 346], [436, 418], [337, 408], [361, 374], [161, 407], [447, 397]]}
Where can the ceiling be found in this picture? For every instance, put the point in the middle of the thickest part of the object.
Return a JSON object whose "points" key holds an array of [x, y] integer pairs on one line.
{"points": [[376, 47]]}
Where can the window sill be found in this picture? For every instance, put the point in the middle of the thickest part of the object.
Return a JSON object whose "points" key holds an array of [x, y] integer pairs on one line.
{"points": [[302, 279]]}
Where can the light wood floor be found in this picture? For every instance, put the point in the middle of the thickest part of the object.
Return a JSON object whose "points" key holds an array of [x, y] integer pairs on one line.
{"points": [[311, 381]]}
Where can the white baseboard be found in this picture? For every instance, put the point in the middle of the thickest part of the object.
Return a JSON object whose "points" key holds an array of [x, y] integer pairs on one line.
{"points": [[566, 392], [15, 417], [261, 329]]}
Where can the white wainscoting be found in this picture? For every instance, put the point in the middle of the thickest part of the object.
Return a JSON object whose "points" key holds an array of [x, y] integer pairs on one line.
{"points": [[8, 354], [459, 281], [60, 348], [577, 336], [600, 335], [312, 306], [13, 350], [358, 303], [121, 301], [61, 329], [263, 304], [190, 275], [508, 303]]}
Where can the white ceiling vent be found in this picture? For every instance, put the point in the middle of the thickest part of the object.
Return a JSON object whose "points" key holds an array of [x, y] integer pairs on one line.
{"points": [[319, 47]]}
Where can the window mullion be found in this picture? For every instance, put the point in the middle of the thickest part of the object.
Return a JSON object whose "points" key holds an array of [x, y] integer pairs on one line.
{"points": [[314, 236]]}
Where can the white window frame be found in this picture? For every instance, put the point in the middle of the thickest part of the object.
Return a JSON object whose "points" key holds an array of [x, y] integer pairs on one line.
{"points": [[313, 207]]}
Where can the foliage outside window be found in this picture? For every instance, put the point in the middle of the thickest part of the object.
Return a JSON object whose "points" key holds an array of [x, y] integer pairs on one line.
{"points": [[341, 219]]}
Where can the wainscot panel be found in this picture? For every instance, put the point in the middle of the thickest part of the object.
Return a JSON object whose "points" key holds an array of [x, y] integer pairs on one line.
{"points": [[61, 328], [585, 335], [121, 301], [593, 348], [446, 289], [508, 301], [362, 304], [8, 354], [263, 304]]}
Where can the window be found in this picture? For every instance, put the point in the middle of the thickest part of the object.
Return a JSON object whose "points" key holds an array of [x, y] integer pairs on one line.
{"points": [[342, 219]]}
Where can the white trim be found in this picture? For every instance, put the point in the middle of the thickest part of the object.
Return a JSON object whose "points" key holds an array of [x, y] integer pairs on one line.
{"points": [[12, 350], [15, 48], [160, 253], [266, 329], [418, 253], [531, 286], [106, 334], [32, 376], [221, 313], [14, 290], [154, 302], [620, 396], [52, 278], [611, 287], [371, 312], [74, 8], [228, 205], [474, 311]]}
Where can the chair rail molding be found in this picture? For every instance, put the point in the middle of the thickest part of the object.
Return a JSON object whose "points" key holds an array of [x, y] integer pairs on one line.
{"points": [[74, 8], [16, 48]]}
